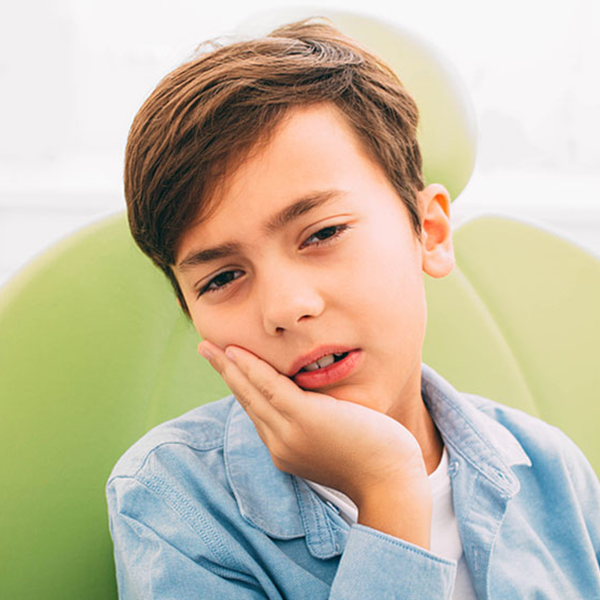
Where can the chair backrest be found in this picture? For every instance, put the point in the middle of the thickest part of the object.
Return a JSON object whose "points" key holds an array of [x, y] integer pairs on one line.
{"points": [[93, 351]]}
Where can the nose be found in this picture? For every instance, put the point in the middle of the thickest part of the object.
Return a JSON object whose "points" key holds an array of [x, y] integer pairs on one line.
{"points": [[288, 300]]}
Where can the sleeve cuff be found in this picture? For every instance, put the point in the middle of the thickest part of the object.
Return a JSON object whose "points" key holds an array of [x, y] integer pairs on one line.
{"points": [[376, 565]]}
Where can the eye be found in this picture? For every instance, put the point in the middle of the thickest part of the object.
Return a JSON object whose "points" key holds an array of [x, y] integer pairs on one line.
{"points": [[325, 235], [220, 281]]}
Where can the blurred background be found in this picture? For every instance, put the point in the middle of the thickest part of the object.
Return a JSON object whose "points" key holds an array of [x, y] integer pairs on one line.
{"points": [[74, 72]]}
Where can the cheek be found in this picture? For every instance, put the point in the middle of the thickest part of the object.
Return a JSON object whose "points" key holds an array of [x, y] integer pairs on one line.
{"points": [[209, 326], [225, 328], [394, 296], [389, 276]]}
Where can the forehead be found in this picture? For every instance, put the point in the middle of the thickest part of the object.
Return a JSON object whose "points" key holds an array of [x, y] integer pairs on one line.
{"points": [[312, 151]]}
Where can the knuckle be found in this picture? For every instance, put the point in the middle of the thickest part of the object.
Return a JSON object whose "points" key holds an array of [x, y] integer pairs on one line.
{"points": [[278, 451], [292, 436], [242, 399], [281, 465], [266, 392]]}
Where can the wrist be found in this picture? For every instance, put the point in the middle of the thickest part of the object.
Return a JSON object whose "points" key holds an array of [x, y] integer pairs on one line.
{"points": [[402, 510]]}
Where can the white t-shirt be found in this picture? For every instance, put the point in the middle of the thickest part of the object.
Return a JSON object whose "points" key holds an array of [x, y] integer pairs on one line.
{"points": [[445, 538]]}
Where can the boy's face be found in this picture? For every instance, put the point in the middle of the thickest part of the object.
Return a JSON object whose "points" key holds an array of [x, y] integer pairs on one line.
{"points": [[340, 272]]}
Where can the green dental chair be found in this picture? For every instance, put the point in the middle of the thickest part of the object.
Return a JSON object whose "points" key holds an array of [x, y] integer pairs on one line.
{"points": [[94, 351]]}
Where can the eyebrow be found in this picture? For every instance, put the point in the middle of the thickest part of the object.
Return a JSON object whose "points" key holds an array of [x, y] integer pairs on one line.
{"points": [[278, 221]]}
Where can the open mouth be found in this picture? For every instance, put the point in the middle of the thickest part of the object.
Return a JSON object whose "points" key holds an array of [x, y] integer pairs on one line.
{"points": [[328, 369], [323, 362]]}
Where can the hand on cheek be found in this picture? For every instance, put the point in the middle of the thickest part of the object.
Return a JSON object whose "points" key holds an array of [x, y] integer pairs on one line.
{"points": [[363, 453]]}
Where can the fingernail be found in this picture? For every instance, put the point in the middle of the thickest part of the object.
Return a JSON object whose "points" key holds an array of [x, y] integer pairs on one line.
{"points": [[230, 355], [205, 352]]}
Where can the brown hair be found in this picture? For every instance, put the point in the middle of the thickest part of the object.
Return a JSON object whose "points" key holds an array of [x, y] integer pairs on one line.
{"points": [[208, 114]]}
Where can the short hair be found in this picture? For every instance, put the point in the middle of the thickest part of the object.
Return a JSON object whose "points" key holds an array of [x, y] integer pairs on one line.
{"points": [[208, 114]]}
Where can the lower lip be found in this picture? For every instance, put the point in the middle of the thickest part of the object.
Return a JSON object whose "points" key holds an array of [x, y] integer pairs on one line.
{"points": [[331, 374]]}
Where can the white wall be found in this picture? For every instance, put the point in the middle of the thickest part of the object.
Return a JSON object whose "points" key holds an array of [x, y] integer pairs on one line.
{"points": [[73, 73]]}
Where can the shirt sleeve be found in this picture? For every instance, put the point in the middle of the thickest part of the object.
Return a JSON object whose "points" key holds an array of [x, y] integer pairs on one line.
{"points": [[158, 556], [376, 565]]}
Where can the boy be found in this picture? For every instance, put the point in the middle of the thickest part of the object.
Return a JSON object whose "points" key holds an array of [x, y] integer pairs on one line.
{"points": [[277, 183]]}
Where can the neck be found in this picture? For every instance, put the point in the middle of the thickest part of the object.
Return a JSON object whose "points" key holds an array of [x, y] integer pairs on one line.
{"points": [[431, 443], [416, 418]]}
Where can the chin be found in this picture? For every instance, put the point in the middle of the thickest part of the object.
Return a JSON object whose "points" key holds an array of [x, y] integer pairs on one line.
{"points": [[358, 394]]}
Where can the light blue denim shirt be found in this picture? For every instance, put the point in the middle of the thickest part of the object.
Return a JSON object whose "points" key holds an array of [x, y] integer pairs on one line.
{"points": [[198, 510]]}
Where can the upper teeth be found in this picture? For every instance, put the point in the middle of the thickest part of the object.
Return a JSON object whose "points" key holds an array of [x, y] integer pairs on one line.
{"points": [[322, 362]]}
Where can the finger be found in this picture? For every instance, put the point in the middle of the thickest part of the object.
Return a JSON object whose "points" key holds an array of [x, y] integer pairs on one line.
{"points": [[246, 393], [278, 389], [238, 384]]}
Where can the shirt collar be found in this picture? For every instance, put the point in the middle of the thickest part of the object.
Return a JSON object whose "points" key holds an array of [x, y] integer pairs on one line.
{"points": [[284, 506], [470, 433]]}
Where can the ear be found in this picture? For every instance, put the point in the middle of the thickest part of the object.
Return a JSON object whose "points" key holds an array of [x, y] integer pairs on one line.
{"points": [[436, 237]]}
